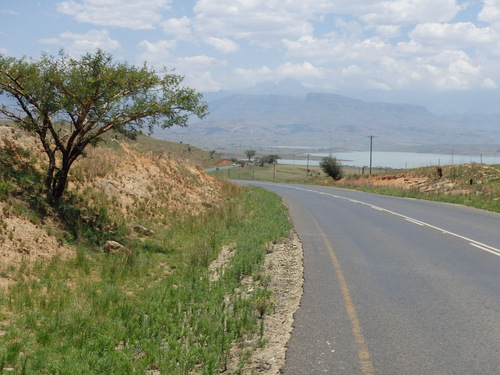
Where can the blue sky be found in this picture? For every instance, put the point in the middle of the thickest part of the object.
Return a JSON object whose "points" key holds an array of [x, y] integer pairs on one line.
{"points": [[426, 46]]}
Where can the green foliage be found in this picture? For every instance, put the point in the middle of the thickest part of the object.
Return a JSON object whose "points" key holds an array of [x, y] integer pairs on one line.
{"points": [[93, 95], [6, 189], [250, 154], [331, 167], [17, 173], [86, 222], [269, 159]]}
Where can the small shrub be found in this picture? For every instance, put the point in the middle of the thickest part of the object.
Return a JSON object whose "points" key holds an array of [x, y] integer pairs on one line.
{"points": [[331, 167], [6, 189]]}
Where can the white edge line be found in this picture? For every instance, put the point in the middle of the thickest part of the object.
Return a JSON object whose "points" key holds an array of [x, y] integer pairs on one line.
{"points": [[485, 249], [415, 221], [479, 245]]}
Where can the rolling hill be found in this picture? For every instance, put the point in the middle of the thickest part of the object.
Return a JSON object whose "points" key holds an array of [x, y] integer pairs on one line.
{"points": [[323, 121]]}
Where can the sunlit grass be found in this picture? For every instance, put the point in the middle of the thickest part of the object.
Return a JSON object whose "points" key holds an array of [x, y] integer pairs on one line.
{"points": [[157, 310], [153, 309]]}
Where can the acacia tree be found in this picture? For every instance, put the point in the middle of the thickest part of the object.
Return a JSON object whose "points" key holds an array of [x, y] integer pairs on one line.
{"points": [[70, 103], [269, 159], [250, 154]]}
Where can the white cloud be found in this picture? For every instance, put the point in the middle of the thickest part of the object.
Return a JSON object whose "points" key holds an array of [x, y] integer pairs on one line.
{"points": [[201, 62], [204, 82], [403, 12], [198, 71], [488, 83], [386, 44], [449, 70], [129, 14], [252, 76], [259, 21], [223, 45], [156, 53], [9, 12], [460, 34], [179, 27], [301, 71], [78, 44], [336, 51], [490, 12]]}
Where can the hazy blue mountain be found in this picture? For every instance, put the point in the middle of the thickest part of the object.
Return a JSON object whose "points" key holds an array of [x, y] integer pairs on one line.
{"points": [[325, 120]]}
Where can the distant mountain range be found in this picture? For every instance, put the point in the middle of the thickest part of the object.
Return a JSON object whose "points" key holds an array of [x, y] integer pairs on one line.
{"points": [[328, 121], [286, 115]]}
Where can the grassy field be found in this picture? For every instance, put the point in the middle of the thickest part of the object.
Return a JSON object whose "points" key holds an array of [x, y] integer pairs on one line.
{"points": [[282, 173], [155, 308], [475, 185]]}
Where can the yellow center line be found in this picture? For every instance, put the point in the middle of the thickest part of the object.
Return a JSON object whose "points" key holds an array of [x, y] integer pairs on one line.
{"points": [[363, 353]]}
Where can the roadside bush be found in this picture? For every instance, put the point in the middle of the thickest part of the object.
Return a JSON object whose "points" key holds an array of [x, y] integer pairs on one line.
{"points": [[331, 167]]}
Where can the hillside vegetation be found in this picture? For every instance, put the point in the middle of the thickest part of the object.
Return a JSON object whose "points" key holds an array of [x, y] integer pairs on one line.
{"points": [[165, 302], [476, 185]]}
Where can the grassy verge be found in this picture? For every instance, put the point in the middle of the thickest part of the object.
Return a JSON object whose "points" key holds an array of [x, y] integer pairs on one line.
{"points": [[472, 185], [153, 309], [281, 173]]}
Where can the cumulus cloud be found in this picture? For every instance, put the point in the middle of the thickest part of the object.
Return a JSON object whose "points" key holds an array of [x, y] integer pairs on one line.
{"points": [[201, 62], [129, 14], [78, 44], [490, 12], [251, 76], [403, 12], [156, 53], [396, 44], [261, 22], [461, 34], [223, 45], [204, 82], [198, 71], [178, 27], [304, 70], [488, 83]]}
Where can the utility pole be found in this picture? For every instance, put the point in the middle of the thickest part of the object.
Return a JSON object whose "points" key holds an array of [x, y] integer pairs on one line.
{"points": [[371, 148], [307, 168]]}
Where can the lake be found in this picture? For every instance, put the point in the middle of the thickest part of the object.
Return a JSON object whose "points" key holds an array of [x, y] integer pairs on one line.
{"points": [[397, 160]]}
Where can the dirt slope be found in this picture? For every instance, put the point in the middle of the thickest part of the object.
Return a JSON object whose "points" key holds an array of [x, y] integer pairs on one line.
{"points": [[142, 185]]}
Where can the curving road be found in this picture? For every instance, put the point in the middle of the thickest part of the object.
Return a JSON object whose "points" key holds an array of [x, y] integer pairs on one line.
{"points": [[393, 286]]}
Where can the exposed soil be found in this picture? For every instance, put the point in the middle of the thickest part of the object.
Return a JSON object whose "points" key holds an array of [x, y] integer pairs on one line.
{"points": [[465, 179], [134, 179], [285, 266]]}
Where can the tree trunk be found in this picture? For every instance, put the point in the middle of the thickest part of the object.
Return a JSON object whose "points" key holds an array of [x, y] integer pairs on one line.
{"points": [[61, 178], [59, 183], [49, 179]]}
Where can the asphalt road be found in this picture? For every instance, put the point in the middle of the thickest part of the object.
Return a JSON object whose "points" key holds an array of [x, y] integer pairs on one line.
{"points": [[393, 285]]}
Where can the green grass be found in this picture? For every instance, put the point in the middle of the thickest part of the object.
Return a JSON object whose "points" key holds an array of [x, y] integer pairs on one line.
{"points": [[483, 202], [285, 173], [474, 185], [483, 193], [151, 310], [155, 309]]}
